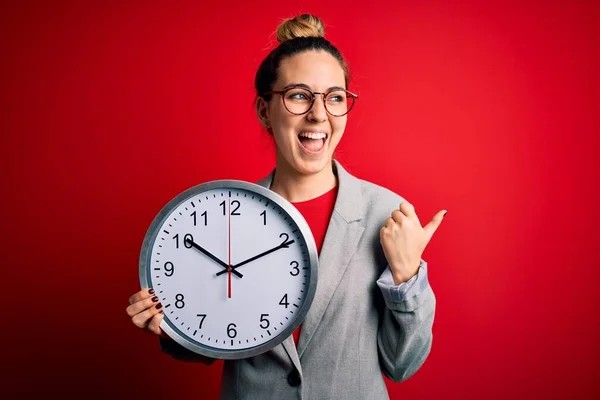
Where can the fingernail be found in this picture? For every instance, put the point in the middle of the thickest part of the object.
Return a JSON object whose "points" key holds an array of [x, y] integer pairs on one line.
{"points": [[445, 213], [155, 298], [151, 291], [158, 306]]}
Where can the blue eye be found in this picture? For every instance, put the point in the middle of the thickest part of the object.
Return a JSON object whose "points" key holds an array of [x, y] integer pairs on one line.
{"points": [[299, 95], [336, 97]]}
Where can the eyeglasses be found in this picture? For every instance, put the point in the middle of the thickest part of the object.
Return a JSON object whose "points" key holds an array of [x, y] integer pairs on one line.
{"points": [[298, 100]]}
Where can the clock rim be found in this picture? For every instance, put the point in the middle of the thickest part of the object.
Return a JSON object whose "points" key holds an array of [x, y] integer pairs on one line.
{"points": [[165, 212]]}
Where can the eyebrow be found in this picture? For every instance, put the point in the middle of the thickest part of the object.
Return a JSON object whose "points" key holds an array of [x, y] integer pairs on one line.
{"points": [[305, 86]]}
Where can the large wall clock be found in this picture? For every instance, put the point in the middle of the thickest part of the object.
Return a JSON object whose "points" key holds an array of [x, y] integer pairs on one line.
{"points": [[234, 265]]}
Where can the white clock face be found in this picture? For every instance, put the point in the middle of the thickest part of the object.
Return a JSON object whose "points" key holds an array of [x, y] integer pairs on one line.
{"points": [[230, 312]]}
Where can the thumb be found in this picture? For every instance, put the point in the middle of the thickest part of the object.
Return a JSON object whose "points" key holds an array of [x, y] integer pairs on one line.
{"points": [[435, 222]]}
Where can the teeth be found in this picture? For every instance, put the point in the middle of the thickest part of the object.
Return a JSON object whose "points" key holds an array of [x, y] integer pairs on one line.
{"points": [[313, 135]]}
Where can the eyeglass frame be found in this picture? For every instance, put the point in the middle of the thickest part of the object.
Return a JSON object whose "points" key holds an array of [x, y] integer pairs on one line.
{"points": [[312, 103]]}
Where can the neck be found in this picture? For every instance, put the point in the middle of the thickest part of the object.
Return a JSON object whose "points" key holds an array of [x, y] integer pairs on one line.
{"points": [[296, 187]]}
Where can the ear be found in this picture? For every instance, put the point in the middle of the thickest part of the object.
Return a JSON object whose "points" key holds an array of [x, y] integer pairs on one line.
{"points": [[262, 112]]}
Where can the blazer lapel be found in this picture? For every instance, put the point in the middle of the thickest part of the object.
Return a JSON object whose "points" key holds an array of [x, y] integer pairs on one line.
{"points": [[341, 241]]}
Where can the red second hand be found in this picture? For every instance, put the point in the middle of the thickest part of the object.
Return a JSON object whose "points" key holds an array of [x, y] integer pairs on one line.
{"points": [[229, 247]]}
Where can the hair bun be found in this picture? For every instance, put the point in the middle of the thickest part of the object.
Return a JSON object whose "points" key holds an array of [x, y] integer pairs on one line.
{"points": [[305, 25]]}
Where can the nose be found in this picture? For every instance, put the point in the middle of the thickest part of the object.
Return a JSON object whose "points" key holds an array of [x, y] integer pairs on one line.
{"points": [[317, 112]]}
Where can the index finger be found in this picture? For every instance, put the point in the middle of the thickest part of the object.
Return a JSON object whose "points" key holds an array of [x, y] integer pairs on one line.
{"points": [[141, 295]]}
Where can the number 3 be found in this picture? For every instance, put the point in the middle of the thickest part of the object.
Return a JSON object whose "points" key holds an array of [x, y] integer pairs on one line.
{"points": [[296, 269]]}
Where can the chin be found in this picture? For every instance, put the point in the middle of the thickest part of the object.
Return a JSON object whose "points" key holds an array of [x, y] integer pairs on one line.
{"points": [[309, 167]]}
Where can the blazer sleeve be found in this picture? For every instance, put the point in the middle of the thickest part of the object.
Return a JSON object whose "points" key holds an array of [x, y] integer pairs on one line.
{"points": [[405, 332], [178, 352]]}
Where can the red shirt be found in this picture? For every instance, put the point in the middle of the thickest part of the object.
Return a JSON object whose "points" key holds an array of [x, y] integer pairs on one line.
{"points": [[317, 213]]}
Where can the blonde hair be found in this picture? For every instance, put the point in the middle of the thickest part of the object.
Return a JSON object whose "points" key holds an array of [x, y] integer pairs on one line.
{"points": [[305, 25], [295, 35]]}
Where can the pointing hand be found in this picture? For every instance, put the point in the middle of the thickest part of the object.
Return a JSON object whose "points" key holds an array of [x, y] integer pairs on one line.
{"points": [[404, 239]]}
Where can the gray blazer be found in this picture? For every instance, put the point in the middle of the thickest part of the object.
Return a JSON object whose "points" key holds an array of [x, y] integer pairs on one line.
{"points": [[359, 324]]}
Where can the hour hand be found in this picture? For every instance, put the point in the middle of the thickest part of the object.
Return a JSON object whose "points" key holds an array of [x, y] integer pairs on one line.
{"points": [[212, 257]]}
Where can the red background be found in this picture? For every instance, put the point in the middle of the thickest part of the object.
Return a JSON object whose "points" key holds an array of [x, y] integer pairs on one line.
{"points": [[487, 109]]}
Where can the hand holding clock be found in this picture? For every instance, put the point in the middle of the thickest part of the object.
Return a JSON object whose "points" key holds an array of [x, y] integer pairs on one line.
{"points": [[146, 312], [404, 239]]}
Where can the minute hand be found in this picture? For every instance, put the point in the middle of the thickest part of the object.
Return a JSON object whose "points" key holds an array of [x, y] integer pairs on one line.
{"points": [[283, 245]]}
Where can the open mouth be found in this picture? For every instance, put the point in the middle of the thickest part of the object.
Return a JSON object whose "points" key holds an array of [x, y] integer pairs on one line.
{"points": [[312, 142]]}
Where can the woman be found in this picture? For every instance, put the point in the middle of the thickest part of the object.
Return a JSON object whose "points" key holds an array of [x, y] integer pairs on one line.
{"points": [[374, 308]]}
